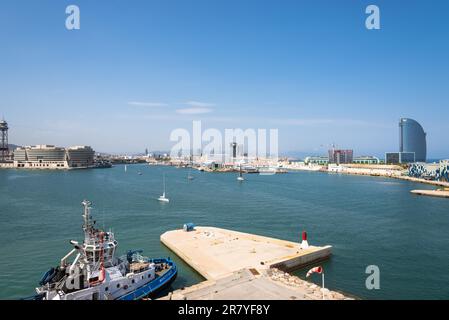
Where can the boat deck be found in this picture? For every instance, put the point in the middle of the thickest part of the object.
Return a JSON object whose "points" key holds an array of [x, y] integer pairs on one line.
{"points": [[160, 273]]}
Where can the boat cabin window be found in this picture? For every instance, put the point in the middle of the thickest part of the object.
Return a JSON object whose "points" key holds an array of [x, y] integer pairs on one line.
{"points": [[89, 255], [109, 253]]}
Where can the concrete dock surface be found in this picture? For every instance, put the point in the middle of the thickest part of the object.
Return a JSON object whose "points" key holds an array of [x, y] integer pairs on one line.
{"points": [[215, 252], [245, 284], [432, 193], [244, 266]]}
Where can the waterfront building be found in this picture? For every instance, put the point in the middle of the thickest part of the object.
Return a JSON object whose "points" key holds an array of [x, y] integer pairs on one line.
{"points": [[366, 160], [392, 158], [321, 160], [399, 157], [412, 139], [51, 157], [339, 156], [80, 156]]}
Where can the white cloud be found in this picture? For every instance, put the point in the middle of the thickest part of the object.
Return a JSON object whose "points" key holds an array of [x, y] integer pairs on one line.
{"points": [[194, 110], [147, 104], [199, 104], [300, 122]]}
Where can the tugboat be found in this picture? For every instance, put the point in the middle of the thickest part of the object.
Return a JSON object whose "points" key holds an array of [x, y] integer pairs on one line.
{"points": [[97, 274]]}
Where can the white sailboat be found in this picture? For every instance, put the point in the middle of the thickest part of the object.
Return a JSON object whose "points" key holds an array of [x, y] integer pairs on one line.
{"points": [[163, 198], [126, 168]]}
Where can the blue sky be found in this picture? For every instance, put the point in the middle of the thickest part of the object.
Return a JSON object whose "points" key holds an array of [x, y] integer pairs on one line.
{"points": [[136, 70]]}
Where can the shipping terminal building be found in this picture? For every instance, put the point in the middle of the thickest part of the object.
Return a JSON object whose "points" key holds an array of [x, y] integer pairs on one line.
{"points": [[43, 156], [51, 157]]}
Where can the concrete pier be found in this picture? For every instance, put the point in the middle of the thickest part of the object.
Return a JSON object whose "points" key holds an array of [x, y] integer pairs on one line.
{"points": [[215, 252], [270, 284], [432, 193], [242, 266]]}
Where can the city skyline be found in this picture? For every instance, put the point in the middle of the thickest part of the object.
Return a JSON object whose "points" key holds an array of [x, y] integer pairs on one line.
{"points": [[129, 77]]}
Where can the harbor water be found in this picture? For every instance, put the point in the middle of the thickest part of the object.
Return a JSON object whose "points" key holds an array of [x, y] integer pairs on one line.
{"points": [[367, 220]]}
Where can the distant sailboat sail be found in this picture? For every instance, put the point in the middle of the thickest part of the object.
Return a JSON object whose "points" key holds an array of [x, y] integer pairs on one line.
{"points": [[163, 198]]}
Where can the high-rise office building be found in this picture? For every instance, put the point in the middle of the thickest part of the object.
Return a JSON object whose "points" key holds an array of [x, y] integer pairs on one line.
{"points": [[341, 156]]}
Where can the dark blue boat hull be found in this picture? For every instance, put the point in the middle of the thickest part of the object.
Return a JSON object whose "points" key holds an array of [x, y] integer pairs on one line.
{"points": [[155, 285]]}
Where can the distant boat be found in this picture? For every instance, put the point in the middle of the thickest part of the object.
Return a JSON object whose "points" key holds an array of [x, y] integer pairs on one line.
{"points": [[240, 177], [163, 198], [139, 173], [126, 168], [268, 171]]}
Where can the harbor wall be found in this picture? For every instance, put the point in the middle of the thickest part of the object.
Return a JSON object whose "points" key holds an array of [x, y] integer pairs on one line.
{"points": [[388, 171], [298, 262]]}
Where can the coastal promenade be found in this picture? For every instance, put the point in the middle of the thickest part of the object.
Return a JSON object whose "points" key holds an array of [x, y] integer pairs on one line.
{"points": [[387, 171], [240, 265]]}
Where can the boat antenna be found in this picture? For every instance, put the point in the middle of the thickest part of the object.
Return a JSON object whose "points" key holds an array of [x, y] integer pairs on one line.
{"points": [[87, 226]]}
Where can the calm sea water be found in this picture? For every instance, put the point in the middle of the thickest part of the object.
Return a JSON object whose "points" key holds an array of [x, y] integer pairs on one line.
{"points": [[367, 220]]}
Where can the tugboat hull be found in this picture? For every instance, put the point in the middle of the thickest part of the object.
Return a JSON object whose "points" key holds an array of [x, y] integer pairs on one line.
{"points": [[154, 286]]}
